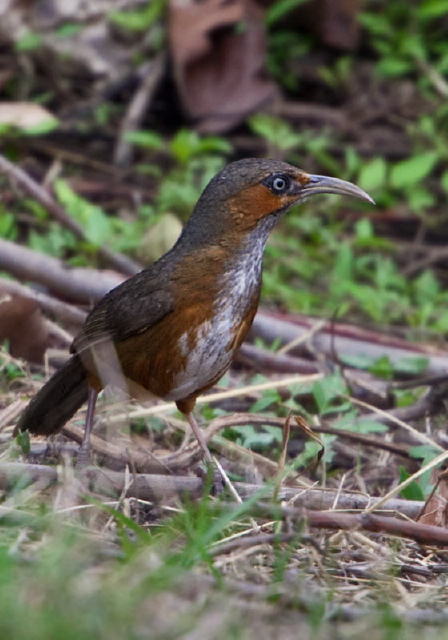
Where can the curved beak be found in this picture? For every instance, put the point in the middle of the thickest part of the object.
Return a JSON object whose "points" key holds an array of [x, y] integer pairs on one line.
{"points": [[325, 184]]}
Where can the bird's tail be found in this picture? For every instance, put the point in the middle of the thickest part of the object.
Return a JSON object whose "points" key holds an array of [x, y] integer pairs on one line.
{"points": [[57, 401]]}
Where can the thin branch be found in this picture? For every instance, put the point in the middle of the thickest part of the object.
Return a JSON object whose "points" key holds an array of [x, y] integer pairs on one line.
{"points": [[424, 534], [79, 284], [159, 488], [347, 339]]}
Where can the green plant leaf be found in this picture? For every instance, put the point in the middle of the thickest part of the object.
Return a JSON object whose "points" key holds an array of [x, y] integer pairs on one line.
{"points": [[351, 421], [372, 174], [420, 199], [29, 42], [8, 227], [47, 126], [412, 491], [97, 226], [412, 170], [279, 9], [327, 390], [187, 145], [423, 451], [55, 242], [68, 29], [269, 398], [383, 368], [276, 131], [393, 67], [140, 19], [433, 9], [412, 364], [426, 453], [259, 439], [23, 440], [444, 180], [146, 139], [377, 23]]}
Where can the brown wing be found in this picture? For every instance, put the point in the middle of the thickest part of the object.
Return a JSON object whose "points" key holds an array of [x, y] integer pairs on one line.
{"points": [[131, 308]]}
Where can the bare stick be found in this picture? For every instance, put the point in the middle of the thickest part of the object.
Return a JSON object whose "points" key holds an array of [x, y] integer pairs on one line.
{"points": [[157, 488], [425, 534], [345, 339], [79, 284]]}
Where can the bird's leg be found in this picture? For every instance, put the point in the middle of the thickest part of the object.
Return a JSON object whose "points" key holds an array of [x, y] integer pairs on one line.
{"points": [[218, 480], [84, 450], [199, 437]]}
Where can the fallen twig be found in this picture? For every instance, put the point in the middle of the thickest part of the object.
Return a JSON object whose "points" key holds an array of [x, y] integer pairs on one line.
{"points": [[78, 284], [345, 339], [263, 359], [424, 534], [158, 488]]}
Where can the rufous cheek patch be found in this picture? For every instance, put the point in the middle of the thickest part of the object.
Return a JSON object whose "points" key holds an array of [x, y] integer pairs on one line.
{"points": [[255, 202]]}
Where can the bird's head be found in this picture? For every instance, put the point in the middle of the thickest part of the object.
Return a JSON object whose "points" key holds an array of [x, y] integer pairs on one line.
{"points": [[246, 192]]}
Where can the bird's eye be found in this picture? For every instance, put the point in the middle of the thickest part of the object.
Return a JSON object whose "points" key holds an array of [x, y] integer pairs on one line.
{"points": [[280, 184]]}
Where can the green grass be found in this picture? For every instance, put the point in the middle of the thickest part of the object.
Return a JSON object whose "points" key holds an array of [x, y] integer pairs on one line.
{"points": [[96, 574]]}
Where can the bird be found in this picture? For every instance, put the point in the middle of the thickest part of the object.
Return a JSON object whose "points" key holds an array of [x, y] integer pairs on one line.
{"points": [[172, 330]]}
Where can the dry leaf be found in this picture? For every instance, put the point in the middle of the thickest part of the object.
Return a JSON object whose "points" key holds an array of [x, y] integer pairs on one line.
{"points": [[307, 430], [218, 49], [24, 327], [435, 511]]}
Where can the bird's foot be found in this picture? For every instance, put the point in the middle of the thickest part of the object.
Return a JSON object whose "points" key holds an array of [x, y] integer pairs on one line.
{"points": [[213, 478], [84, 457]]}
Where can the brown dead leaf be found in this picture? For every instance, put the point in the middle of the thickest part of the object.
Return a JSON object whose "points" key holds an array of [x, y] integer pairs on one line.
{"points": [[23, 326], [435, 511], [303, 425], [218, 49]]}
